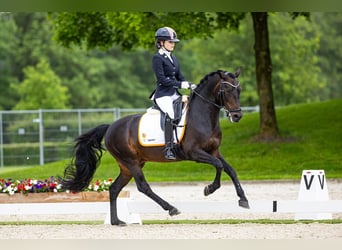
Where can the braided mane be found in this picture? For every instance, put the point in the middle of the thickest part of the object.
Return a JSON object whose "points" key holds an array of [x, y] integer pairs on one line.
{"points": [[205, 78]]}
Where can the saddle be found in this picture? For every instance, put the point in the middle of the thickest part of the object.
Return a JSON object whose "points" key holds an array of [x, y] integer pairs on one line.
{"points": [[152, 124]]}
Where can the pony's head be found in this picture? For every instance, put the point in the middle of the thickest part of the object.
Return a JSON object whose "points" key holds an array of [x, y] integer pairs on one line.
{"points": [[228, 94], [221, 89]]}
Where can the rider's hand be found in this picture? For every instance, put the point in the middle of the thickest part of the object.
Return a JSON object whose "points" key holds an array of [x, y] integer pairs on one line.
{"points": [[192, 86], [185, 85]]}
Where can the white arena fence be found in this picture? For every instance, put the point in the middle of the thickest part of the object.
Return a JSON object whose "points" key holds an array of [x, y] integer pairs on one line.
{"points": [[130, 210], [313, 203], [32, 137]]}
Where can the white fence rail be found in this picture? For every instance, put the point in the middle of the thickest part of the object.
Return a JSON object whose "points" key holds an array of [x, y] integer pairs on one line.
{"points": [[129, 210]]}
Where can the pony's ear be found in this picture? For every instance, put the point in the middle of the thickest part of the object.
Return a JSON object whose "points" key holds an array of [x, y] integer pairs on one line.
{"points": [[238, 72]]}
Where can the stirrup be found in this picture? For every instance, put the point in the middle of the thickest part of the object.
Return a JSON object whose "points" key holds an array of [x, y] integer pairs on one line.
{"points": [[169, 155]]}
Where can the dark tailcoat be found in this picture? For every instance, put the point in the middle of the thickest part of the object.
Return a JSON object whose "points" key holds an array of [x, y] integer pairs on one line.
{"points": [[168, 75]]}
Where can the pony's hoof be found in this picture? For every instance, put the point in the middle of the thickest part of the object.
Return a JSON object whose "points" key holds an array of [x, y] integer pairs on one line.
{"points": [[207, 191], [174, 211], [244, 203], [210, 189]]}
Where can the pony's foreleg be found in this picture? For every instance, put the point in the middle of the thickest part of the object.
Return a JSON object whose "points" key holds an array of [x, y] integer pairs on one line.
{"points": [[211, 188], [145, 188], [220, 163], [114, 191], [243, 202], [200, 155]]}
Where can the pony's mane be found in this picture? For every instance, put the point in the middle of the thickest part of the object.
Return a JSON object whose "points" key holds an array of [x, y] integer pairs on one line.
{"points": [[205, 78]]}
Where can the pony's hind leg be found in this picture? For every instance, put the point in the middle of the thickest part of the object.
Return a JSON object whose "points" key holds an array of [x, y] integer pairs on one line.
{"points": [[145, 188], [211, 188], [114, 191]]}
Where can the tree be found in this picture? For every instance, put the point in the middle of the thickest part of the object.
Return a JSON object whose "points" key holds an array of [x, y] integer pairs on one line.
{"points": [[268, 122], [41, 89]]}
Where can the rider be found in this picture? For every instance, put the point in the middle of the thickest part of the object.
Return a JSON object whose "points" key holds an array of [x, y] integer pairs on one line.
{"points": [[169, 79]]}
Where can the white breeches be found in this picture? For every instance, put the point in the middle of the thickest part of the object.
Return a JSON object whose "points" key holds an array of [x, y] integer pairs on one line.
{"points": [[165, 103]]}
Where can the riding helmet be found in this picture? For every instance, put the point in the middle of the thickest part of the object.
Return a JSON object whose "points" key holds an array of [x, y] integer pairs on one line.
{"points": [[166, 34]]}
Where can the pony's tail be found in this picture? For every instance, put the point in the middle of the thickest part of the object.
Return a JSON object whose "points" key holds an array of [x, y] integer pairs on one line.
{"points": [[87, 155]]}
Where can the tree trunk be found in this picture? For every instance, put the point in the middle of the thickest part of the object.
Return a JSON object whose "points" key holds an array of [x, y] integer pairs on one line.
{"points": [[268, 130]]}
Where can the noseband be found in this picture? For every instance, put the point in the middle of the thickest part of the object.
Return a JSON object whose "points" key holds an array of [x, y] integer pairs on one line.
{"points": [[220, 96]]}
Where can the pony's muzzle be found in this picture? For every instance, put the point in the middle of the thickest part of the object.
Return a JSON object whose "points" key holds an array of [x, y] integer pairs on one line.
{"points": [[235, 116]]}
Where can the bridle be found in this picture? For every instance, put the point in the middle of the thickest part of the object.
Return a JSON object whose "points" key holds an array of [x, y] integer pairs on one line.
{"points": [[220, 96]]}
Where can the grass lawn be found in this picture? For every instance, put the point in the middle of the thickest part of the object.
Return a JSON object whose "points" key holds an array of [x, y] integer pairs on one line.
{"points": [[315, 142]]}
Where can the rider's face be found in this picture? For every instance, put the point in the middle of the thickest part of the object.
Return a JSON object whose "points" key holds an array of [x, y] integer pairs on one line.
{"points": [[169, 45]]}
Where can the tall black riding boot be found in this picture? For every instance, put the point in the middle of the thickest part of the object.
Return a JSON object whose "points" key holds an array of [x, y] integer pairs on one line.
{"points": [[169, 154]]}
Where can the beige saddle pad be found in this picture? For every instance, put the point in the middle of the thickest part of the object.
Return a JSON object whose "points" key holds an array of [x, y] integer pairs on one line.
{"points": [[150, 133]]}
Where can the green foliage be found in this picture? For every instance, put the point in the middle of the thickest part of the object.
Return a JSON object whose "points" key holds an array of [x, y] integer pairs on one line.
{"points": [[8, 40], [306, 55], [93, 27], [95, 79], [135, 29], [330, 50], [41, 89], [228, 50], [296, 73], [311, 140], [33, 41]]}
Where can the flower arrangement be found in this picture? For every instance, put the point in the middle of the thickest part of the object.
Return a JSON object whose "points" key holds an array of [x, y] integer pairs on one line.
{"points": [[51, 184]]}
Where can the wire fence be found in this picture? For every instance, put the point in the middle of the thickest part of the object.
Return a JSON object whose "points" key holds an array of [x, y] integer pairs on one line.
{"points": [[36, 137]]}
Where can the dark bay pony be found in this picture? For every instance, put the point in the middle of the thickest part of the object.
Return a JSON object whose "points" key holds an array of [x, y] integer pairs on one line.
{"points": [[200, 143]]}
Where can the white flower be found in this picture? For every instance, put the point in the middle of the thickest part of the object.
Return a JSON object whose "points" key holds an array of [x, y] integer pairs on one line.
{"points": [[96, 187]]}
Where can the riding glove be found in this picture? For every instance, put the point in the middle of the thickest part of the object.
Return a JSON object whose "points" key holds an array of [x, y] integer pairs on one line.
{"points": [[188, 85], [185, 85], [192, 86]]}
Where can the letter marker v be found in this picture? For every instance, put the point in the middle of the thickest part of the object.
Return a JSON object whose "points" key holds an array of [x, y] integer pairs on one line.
{"points": [[308, 185], [321, 181]]}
